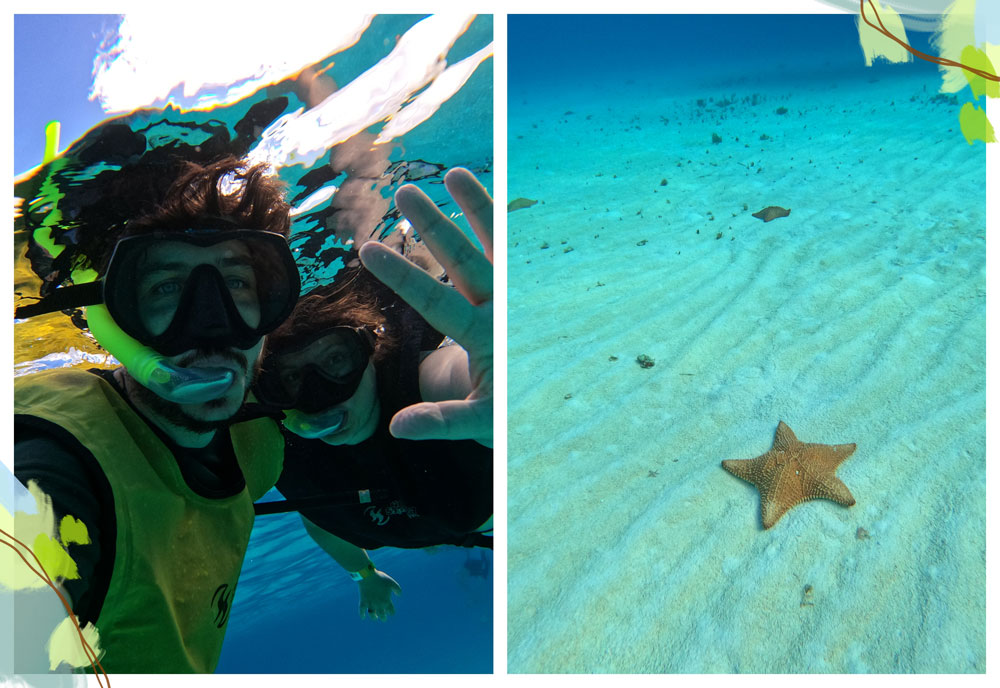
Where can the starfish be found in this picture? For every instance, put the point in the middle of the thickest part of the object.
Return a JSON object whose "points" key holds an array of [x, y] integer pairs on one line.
{"points": [[792, 472], [772, 212]]}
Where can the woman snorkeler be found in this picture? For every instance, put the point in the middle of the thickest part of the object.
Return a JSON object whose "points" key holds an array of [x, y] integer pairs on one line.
{"points": [[389, 424]]}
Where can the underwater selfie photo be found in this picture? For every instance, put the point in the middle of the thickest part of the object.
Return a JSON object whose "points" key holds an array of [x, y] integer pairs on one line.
{"points": [[253, 346]]}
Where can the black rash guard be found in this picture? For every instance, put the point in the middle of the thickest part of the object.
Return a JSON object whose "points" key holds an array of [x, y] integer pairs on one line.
{"points": [[387, 492]]}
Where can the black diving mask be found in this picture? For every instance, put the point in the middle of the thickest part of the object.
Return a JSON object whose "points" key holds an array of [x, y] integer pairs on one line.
{"points": [[175, 291], [201, 289], [317, 373]]}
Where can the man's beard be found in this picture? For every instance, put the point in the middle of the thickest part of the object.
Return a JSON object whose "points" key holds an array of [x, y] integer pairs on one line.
{"points": [[173, 413]]}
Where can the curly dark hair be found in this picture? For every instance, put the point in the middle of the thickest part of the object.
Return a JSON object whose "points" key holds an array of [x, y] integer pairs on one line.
{"points": [[228, 191], [357, 300]]}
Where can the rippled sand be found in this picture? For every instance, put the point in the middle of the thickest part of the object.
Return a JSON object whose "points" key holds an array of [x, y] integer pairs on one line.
{"points": [[859, 318]]}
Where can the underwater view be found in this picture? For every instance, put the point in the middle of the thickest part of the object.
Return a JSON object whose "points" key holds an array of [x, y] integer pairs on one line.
{"points": [[373, 103], [746, 351]]}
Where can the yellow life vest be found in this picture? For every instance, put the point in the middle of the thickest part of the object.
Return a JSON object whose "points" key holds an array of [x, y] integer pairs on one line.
{"points": [[177, 554]]}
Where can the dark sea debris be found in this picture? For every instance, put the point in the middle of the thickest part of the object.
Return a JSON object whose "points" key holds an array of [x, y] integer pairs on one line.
{"points": [[807, 599], [612, 358], [945, 98], [772, 212], [519, 203], [862, 534], [663, 182], [781, 111], [716, 138], [641, 242], [645, 361]]}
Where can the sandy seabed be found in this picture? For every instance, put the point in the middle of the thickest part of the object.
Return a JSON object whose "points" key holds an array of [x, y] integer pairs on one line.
{"points": [[859, 318]]}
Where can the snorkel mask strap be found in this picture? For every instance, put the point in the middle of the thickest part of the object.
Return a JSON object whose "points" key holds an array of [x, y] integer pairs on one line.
{"points": [[63, 298]]}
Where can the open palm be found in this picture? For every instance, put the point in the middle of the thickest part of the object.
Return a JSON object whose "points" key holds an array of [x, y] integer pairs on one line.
{"points": [[464, 313]]}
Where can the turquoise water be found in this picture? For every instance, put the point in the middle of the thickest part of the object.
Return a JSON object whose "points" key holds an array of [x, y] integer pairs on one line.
{"points": [[647, 144], [295, 610]]}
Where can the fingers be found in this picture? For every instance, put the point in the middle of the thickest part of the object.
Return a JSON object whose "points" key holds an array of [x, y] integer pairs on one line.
{"points": [[468, 269], [475, 202], [440, 305], [446, 420], [377, 612], [376, 597]]}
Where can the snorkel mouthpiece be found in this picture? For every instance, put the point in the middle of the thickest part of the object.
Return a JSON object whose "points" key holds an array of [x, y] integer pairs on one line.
{"points": [[188, 385], [313, 426], [151, 369]]}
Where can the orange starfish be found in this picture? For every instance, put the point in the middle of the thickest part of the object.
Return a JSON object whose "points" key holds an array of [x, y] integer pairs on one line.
{"points": [[792, 472]]}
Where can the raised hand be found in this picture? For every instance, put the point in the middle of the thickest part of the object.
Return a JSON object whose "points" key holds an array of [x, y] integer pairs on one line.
{"points": [[464, 313]]}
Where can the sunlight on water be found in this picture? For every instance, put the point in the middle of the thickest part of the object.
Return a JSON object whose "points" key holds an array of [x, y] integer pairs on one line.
{"points": [[140, 64]]}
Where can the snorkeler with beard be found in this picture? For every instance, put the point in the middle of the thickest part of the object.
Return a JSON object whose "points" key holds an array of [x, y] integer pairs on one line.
{"points": [[388, 423], [161, 459]]}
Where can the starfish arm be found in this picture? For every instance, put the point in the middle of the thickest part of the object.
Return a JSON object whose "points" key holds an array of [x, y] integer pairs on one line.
{"points": [[771, 511], [826, 457], [832, 488], [779, 492], [784, 438], [742, 468], [842, 451]]}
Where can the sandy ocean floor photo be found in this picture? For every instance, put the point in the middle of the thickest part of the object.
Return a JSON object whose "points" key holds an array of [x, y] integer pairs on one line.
{"points": [[859, 317]]}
